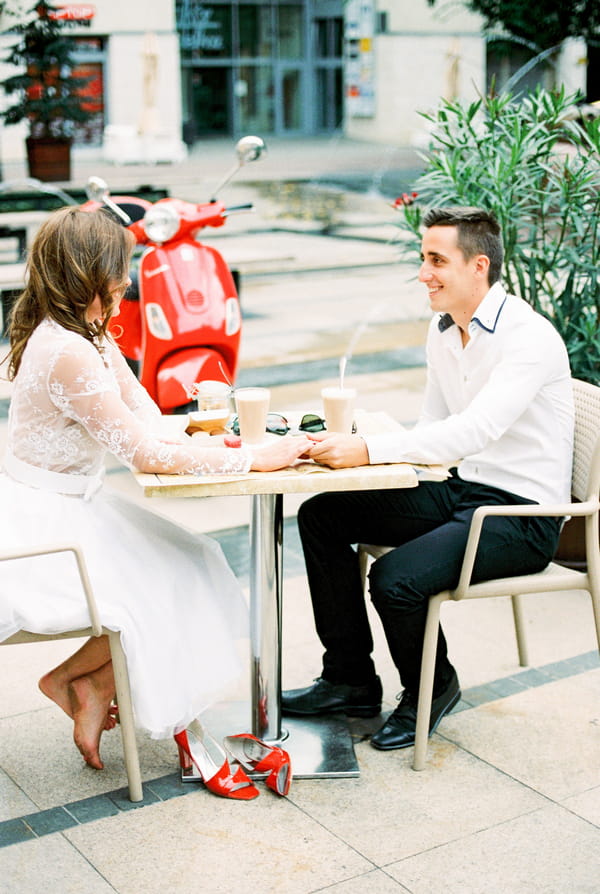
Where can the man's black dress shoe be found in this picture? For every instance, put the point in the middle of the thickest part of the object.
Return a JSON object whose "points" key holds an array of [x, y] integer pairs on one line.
{"points": [[324, 697], [399, 729]]}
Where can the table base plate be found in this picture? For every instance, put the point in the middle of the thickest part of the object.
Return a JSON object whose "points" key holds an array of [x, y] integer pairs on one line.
{"points": [[319, 747]]}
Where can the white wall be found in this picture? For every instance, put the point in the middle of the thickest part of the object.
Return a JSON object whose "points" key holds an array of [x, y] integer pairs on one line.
{"points": [[424, 55], [418, 18], [572, 65], [411, 77], [121, 16], [124, 81]]}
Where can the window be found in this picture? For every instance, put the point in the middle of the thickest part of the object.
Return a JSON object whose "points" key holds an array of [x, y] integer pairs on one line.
{"points": [[290, 32], [255, 30]]}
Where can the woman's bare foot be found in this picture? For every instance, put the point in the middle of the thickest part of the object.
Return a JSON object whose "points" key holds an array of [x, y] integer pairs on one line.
{"points": [[57, 690], [89, 707]]}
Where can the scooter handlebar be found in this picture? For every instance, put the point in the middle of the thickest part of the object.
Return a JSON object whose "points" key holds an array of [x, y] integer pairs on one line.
{"points": [[231, 209]]}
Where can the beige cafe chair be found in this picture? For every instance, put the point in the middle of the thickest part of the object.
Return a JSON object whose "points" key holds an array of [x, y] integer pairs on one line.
{"points": [[118, 658], [585, 487]]}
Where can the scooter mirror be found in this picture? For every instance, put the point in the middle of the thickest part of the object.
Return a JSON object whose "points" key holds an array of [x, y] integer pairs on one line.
{"points": [[249, 149], [96, 189]]}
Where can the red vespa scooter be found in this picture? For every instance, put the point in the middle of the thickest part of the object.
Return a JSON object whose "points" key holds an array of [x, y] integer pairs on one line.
{"points": [[180, 322]]}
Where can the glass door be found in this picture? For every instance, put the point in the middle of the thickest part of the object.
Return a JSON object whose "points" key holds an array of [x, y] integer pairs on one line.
{"points": [[328, 35], [210, 101], [291, 103]]}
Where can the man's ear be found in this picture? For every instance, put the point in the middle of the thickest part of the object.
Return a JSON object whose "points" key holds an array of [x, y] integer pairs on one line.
{"points": [[482, 266]]}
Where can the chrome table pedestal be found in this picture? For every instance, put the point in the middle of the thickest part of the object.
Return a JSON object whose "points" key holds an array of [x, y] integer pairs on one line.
{"points": [[318, 746]]}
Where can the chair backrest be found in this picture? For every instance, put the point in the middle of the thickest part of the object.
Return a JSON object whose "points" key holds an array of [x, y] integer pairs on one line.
{"points": [[585, 482]]}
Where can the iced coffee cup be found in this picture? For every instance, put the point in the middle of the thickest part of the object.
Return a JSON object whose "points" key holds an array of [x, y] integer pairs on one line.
{"points": [[252, 405], [338, 409]]}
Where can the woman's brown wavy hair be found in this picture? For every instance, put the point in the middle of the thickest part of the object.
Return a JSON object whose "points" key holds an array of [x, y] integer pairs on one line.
{"points": [[75, 256]]}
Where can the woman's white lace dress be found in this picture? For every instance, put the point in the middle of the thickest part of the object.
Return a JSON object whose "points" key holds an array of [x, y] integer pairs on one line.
{"points": [[170, 592]]}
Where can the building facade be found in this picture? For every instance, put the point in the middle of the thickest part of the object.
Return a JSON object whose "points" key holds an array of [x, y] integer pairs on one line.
{"points": [[165, 73]]}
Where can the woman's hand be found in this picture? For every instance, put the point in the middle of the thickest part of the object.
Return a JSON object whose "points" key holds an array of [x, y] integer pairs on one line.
{"points": [[278, 453], [338, 451]]}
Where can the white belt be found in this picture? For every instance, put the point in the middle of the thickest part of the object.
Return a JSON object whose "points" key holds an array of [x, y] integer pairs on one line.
{"points": [[59, 482]]}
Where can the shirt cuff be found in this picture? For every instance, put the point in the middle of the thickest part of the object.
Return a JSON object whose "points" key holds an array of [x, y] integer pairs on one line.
{"points": [[386, 447]]}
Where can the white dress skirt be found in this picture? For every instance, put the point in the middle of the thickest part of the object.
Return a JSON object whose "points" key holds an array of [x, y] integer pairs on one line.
{"points": [[170, 593]]}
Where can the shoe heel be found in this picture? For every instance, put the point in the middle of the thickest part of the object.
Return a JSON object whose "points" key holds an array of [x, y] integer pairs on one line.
{"points": [[185, 761], [189, 773]]}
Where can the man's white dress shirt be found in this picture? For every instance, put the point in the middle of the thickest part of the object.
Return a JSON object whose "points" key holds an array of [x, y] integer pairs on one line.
{"points": [[502, 404]]}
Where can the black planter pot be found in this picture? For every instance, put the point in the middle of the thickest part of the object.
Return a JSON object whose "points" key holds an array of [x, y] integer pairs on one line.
{"points": [[49, 158]]}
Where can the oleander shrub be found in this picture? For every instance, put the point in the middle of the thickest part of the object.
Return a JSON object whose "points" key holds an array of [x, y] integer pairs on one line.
{"points": [[535, 163]]}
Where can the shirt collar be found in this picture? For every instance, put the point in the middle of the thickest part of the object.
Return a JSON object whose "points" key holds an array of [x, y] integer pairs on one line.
{"points": [[487, 313], [444, 322], [489, 310]]}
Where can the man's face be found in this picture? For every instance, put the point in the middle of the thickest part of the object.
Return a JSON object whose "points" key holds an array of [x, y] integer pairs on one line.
{"points": [[453, 283]]}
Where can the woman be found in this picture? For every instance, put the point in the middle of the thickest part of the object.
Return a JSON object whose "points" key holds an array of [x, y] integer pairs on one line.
{"points": [[170, 593]]}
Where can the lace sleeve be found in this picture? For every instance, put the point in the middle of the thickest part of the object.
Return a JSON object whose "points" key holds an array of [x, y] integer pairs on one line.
{"points": [[133, 393], [86, 390]]}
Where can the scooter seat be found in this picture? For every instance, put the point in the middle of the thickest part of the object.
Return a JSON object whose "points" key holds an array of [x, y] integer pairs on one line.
{"points": [[135, 211]]}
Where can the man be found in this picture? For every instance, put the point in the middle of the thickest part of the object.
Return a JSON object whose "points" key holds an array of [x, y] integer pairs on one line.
{"points": [[498, 398]]}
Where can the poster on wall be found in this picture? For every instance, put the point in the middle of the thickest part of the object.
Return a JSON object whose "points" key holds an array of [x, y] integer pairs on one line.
{"points": [[359, 61]]}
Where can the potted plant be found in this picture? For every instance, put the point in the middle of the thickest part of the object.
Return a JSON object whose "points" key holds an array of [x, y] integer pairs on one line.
{"points": [[47, 95], [535, 163]]}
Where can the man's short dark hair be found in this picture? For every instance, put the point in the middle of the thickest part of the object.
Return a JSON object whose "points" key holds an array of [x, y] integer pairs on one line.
{"points": [[479, 233]]}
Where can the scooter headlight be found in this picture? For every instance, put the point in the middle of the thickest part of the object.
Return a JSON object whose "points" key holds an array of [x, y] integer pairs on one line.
{"points": [[161, 222]]}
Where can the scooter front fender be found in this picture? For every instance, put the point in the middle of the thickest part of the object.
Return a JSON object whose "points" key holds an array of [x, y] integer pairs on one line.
{"points": [[180, 370]]}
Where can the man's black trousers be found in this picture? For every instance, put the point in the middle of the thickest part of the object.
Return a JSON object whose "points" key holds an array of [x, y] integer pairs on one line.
{"points": [[429, 526]]}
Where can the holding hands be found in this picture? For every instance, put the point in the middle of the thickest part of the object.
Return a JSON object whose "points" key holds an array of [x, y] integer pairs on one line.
{"points": [[337, 451], [279, 453]]}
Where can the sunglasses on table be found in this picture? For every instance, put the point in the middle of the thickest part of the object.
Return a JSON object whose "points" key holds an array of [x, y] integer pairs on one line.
{"points": [[278, 424]]}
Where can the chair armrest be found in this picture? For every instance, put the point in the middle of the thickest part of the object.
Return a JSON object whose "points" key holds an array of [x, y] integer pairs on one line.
{"points": [[547, 510], [81, 568]]}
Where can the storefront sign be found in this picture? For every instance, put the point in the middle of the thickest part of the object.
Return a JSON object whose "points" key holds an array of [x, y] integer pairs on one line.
{"points": [[73, 12], [197, 29], [359, 61]]}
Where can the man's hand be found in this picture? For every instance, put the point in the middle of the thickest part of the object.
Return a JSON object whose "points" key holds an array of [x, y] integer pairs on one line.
{"points": [[338, 451]]}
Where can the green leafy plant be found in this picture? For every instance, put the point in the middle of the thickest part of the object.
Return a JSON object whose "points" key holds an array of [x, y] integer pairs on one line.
{"points": [[47, 95], [528, 160]]}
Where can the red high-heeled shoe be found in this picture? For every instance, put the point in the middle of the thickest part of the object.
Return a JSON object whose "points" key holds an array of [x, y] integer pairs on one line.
{"points": [[256, 755], [219, 780]]}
